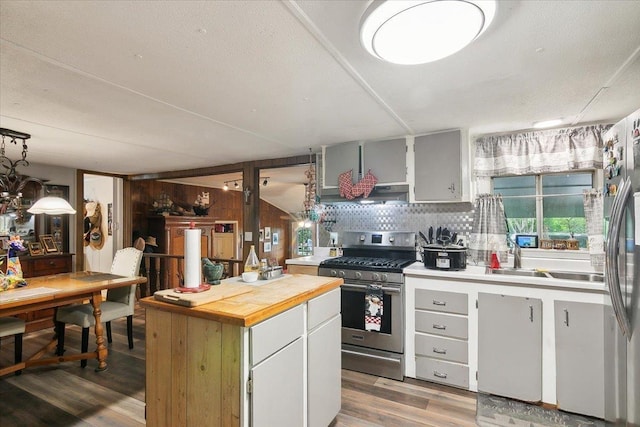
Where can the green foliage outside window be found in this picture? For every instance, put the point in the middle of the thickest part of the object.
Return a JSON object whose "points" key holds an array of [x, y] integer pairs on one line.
{"points": [[558, 203]]}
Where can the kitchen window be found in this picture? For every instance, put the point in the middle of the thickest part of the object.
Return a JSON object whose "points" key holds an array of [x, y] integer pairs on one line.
{"points": [[549, 205]]}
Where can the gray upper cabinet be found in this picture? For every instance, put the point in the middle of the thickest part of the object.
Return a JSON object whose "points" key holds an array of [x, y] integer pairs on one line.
{"points": [[338, 159], [580, 357], [439, 166], [510, 346], [387, 160]]}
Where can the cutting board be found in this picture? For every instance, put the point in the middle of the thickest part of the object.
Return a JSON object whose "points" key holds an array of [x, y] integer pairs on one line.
{"points": [[215, 293]]}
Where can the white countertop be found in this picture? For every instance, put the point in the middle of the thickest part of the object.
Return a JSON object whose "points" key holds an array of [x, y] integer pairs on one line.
{"points": [[314, 260], [478, 274]]}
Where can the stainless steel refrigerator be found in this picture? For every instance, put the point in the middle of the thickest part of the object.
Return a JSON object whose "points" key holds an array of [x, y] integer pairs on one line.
{"points": [[622, 272]]}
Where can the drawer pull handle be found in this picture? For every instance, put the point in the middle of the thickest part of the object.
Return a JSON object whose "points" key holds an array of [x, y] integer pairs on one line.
{"points": [[439, 375], [440, 350], [442, 303], [52, 263], [441, 327]]}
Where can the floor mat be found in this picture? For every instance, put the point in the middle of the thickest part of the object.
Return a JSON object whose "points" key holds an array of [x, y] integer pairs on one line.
{"points": [[499, 411]]}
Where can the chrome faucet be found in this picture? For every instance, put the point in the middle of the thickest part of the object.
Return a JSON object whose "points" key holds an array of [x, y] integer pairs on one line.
{"points": [[517, 256]]}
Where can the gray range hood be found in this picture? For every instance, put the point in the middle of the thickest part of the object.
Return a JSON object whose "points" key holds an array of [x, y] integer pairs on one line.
{"points": [[396, 194]]}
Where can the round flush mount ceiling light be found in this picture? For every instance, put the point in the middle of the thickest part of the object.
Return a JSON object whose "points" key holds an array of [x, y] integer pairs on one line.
{"points": [[410, 32]]}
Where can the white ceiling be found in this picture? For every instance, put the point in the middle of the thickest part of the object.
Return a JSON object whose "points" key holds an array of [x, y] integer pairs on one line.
{"points": [[135, 86]]}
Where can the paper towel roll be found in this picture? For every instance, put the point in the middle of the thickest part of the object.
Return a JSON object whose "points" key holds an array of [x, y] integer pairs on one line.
{"points": [[192, 270]]}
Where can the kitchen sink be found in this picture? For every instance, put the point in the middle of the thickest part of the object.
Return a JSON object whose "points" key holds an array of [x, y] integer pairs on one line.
{"points": [[562, 275], [572, 275], [516, 272]]}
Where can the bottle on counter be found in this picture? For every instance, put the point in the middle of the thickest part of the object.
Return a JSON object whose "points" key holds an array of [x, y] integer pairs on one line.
{"points": [[333, 251], [252, 263]]}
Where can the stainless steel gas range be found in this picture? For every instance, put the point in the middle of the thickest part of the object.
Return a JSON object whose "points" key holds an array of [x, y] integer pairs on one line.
{"points": [[372, 264]]}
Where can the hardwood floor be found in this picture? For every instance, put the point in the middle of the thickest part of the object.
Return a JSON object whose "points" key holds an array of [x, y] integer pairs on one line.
{"points": [[66, 395]]}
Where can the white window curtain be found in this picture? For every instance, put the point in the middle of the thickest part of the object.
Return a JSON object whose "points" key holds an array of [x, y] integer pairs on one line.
{"points": [[526, 153], [593, 212], [489, 232]]}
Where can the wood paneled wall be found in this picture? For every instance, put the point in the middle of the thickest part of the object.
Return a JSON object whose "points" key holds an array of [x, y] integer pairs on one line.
{"points": [[225, 205]]}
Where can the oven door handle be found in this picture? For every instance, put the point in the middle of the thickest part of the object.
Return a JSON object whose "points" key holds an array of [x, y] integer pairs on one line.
{"points": [[354, 287]]}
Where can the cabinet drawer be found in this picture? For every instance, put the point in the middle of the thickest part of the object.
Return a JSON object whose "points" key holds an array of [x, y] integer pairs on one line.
{"points": [[271, 335], [323, 308], [449, 302], [442, 348], [442, 372], [50, 265], [442, 324]]}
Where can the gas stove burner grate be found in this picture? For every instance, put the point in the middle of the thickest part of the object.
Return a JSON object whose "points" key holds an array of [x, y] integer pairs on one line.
{"points": [[367, 263]]}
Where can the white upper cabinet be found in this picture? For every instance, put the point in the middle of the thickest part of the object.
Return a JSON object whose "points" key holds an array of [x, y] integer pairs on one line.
{"points": [[387, 160], [338, 159], [441, 167]]}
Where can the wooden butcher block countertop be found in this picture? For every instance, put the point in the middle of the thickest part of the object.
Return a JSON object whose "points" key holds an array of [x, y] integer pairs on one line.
{"points": [[264, 300]]}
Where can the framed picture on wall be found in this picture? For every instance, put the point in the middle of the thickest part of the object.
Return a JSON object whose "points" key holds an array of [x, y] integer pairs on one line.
{"points": [[267, 246], [261, 235], [47, 242], [35, 248], [274, 238], [267, 233], [58, 225], [4, 243]]}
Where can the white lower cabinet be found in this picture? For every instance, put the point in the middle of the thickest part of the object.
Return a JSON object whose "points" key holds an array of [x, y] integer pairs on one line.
{"points": [[277, 370], [282, 381], [278, 388], [441, 346], [324, 376], [510, 346], [580, 357], [324, 359], [524, 341]]}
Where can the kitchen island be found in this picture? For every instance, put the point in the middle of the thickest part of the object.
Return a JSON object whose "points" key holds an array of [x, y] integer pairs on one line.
{"points": [[268, 356]]}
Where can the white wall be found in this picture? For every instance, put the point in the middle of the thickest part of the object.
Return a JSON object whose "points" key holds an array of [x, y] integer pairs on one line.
{"points": [[100, 189]]}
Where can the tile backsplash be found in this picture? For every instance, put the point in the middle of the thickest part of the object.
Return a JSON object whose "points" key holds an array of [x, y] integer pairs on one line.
{"points": [[414, 217]]}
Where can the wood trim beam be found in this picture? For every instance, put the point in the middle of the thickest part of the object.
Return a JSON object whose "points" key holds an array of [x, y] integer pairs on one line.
{"points": [[230, 168], [251, 208], [127, 214], [79, 220]]}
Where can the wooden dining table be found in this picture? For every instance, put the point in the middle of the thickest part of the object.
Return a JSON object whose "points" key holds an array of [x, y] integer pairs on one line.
{"points": [[58, 290]]}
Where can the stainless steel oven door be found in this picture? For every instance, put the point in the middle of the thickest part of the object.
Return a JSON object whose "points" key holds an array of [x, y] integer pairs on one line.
{"points": [[390, 337]]}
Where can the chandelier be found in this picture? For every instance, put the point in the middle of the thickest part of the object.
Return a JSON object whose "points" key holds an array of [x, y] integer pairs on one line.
{"points": [[12, 183]]}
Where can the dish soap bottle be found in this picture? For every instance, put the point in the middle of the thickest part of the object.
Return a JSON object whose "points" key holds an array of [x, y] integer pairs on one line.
{"points": [[252, 263]]}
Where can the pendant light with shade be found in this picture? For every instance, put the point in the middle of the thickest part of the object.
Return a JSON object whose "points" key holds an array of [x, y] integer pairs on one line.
{"points": [[410, 32], [12, 183]]}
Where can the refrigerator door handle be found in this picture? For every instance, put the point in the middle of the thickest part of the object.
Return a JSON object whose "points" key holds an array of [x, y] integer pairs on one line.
{"points": [[612, 253]]}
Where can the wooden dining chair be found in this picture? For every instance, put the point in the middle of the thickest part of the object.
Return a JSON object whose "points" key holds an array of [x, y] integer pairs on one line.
{"points": [[120, 302], [13, 326]]}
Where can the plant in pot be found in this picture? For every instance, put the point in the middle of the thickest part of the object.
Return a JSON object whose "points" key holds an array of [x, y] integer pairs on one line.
{"points": [[211, 271]]}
